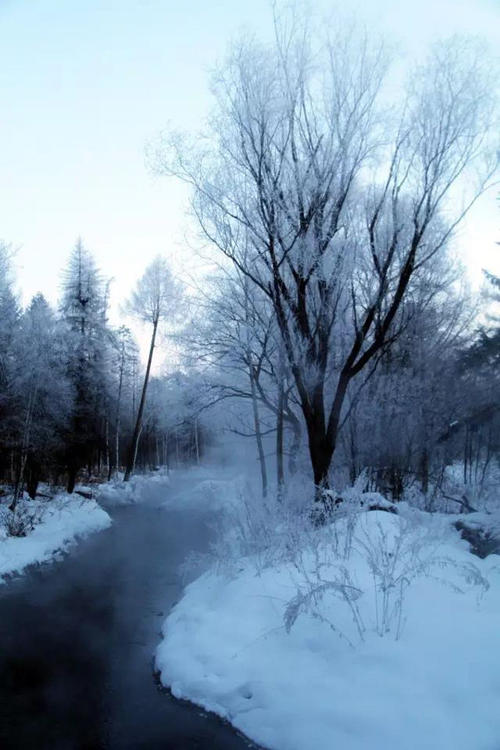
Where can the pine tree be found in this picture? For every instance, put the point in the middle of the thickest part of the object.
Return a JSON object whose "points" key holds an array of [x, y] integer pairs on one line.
{"points": [[83, 309], [9, 325], [43, 395], [485, 351]]}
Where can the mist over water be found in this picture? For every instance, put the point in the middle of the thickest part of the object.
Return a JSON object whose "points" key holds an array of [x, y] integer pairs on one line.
{"points": [[78, 637]]}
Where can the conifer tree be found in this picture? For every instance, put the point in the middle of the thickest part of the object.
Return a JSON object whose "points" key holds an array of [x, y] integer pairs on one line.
{"points": [[83, 309]]}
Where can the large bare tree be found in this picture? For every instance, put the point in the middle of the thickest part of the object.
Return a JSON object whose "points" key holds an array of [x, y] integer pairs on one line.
{"points": [[330, 201]]}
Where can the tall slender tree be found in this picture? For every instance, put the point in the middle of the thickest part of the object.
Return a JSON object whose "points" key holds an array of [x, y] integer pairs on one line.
{"points": [[83, 310], [43, 393], [156, 299], [125, 352], [9, 327]]}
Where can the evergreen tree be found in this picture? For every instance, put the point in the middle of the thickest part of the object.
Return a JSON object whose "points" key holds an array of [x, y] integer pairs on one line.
{"points": [[83, 309], [486, 350], [43, 395], [9, 324]]}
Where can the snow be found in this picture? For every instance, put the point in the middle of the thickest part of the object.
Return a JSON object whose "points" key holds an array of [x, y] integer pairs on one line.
{"points": [[60, 522], [117, 492], [487, 522], [226, 647], [209, 488]]}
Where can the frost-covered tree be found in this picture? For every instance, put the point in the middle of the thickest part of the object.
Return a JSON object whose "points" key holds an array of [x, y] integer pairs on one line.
{"points": [[156, 299], [235, 337], [475, 435], [174, 428], [331, 205], [44, 396], [83, 309], [394, 423], [9, 312], [9, 326], [486, 349], [124, 363]]}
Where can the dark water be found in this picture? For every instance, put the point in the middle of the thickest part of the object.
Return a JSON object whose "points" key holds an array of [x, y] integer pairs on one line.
{"points": [[77, 639]]}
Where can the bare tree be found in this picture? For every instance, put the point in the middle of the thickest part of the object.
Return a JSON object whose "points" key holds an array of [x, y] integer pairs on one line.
{"points": [[341, 201], [156, 298], [234, 334], [125, 353]]}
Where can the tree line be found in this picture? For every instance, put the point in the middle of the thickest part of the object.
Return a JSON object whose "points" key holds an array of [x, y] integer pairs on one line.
{"points": [[72, 387]]}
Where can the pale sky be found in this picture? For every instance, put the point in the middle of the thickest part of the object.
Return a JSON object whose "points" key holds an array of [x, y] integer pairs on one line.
{"points": [[85, 83]]}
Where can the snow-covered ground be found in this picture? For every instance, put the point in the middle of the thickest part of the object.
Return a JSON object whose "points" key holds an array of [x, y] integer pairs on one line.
{"points": [[56, 526], [380, 632], [206, 488], [117, 492], [52, 526]]}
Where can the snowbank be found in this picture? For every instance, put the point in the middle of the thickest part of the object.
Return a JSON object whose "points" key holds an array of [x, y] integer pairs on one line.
{"points": [[58, 523], [437, 687], [117, 492], [210, 488]]}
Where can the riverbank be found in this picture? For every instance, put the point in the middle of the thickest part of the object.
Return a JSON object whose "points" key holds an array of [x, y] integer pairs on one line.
{"points": [[40, 530], [380, 631]]}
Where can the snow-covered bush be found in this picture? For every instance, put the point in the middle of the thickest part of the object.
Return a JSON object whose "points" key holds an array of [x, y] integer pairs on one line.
{"points": [[266, 530], [366, 556], [368, 560], [21, 521]]}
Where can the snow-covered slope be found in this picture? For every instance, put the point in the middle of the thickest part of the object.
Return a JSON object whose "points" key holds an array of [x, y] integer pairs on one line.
{"points": [[436, 687], [60, 522]]}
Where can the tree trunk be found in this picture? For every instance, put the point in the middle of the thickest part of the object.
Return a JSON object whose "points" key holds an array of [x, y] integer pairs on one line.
{"points": [[321, 447], [108, 452], [72, 470], [24, 448], [134, 458], [280, 473], [321, 452], [323, 438], [132, 454], [157, 449], [295, 446], [33, 477], [258, 434], [424, 471], [165, 453], [117, 416], [196, 440]]}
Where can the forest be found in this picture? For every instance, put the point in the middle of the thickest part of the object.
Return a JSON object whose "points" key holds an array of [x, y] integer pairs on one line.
{"points": [[71, 386]]}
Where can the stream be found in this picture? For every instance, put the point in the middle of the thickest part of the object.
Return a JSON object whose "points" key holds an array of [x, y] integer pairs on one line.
{"points": [[77, 639]]}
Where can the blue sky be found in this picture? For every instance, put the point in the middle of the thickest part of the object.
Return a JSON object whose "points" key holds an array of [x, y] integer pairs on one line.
{"points": [[85, 83]]}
